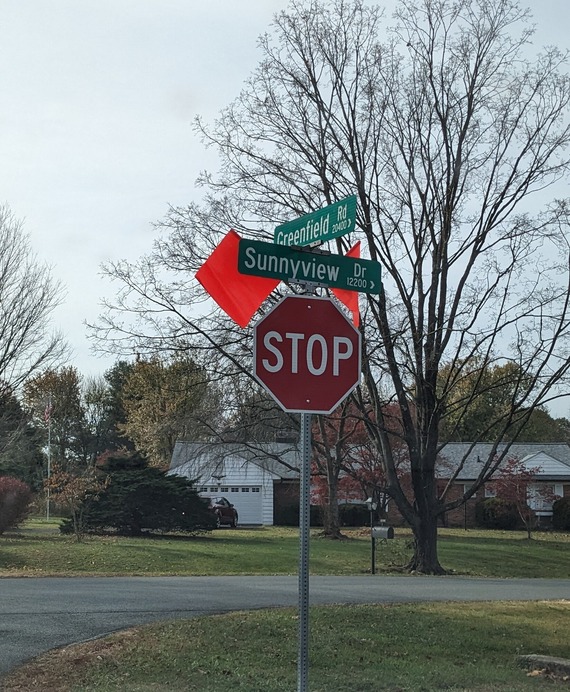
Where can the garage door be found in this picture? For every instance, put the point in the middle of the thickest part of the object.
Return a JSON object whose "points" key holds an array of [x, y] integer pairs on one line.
{"points": [[247, 500]]}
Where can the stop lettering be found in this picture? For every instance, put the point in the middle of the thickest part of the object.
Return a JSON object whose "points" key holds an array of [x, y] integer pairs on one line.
{"points": [[314, 354], [307, 354]]}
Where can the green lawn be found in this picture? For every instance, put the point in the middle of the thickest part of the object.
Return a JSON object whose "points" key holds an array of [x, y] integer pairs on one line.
{"points": [[420, 647], [361, 648], [40, 550]]}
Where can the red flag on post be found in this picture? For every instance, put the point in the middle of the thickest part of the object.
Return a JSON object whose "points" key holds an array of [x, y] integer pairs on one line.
{"points": [[47, 412], [350, 298], [238, 295]]}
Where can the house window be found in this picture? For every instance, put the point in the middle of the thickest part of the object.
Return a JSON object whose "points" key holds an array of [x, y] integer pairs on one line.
{"points": [[245, 490], [541, 496], [256, 490], [234, 490], [213, 490], [203, 490], [223, 490], [490, 491]]}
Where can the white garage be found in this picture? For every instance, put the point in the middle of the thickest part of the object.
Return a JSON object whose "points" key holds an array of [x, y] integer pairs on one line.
{"points": [[247, 499], [245, 476]]}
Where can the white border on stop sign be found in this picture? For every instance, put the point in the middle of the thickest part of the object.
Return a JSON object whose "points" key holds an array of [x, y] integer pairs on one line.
{"points": [[349, 324]]}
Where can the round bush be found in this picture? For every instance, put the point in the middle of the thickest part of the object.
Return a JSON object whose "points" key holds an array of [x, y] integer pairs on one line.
{"points": [[495, 513], [561, 514]]}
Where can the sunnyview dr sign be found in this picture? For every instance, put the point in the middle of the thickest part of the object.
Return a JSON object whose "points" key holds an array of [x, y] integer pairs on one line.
{"points": [[297, 266]]}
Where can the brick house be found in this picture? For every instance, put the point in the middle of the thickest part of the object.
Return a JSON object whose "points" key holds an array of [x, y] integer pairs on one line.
{"points": [[552, 460]]}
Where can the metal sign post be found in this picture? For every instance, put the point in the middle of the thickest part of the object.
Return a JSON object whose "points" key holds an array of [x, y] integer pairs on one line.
{"points": [[307, 356], [304, 535]]}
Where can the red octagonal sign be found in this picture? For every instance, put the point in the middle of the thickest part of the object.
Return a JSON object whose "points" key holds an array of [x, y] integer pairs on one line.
{"points": [[307, 354]]}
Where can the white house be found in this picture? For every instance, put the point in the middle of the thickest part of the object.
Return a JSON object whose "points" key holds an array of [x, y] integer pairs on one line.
{"points": [[256, 479]]}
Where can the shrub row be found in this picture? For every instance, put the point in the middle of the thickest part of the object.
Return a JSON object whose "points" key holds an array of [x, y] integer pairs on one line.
{"points": [[496, 513], [349, 515]]}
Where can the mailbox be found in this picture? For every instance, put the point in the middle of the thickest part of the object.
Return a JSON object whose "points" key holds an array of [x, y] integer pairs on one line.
{"points": [[382, 532]]}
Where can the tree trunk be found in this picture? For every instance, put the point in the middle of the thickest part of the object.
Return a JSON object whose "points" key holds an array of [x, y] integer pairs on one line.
{"points": [[425, 558], [331, 519]]}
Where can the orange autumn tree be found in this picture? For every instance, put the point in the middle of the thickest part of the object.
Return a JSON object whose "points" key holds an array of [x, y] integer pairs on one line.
{"points": [[70, 490]]}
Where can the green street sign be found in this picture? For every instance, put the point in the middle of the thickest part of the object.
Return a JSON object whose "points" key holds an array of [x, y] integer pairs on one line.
{"points": [[319, 226], [297, 266]]}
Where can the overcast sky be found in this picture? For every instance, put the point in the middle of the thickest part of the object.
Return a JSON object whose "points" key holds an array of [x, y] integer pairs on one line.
{"points": [[97, 99]]}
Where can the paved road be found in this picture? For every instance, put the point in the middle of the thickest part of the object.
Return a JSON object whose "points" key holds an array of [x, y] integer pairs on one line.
{"points": [[40, 614]]}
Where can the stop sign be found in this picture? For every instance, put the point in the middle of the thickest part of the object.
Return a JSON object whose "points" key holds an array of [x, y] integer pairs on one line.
{"points": [[307, 354]]}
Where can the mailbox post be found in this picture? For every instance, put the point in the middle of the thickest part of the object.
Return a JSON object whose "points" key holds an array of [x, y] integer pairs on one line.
{"points": [[372, 508], [379, 532]]}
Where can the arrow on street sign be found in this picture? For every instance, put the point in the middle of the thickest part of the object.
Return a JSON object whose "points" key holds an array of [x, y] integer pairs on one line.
{"points": [[333, 221], [297, 266]]}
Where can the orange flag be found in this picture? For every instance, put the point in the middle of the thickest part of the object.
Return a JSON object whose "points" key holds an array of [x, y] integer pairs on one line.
{"points": [[350, 298], [238, 295]]}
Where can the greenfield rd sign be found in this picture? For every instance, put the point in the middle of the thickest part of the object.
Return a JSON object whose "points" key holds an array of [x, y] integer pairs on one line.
{"points": [[319, 226], [297, 266]]}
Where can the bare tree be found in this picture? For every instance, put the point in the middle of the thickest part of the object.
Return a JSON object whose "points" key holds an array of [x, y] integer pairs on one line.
{"points": [[452, 139], [28, 296], [99, 431]]}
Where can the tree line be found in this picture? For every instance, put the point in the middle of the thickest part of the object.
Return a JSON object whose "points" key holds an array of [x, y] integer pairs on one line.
{"points": [[142, 406]]}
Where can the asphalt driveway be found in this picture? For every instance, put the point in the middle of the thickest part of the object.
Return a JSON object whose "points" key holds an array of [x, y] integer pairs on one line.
{"points": [[45, 613]]}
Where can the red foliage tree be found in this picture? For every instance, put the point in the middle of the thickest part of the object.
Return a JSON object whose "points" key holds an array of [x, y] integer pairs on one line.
{"points": [[516, 483], [346, 463], [15, 500]]}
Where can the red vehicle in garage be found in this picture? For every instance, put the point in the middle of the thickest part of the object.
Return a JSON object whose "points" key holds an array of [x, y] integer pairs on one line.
{"points": [[226, 513]]}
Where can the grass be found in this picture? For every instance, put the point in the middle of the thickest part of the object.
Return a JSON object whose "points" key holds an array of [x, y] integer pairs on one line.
{"points": [[40, 550], [504, 554], [362, 648], [420, 647], [243, 551]]}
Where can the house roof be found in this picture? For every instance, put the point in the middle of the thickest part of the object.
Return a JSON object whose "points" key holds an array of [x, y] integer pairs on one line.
{"points": [[280, 459], [553, 459]]}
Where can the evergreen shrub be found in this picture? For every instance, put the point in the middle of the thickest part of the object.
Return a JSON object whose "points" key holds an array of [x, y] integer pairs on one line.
{"points": [[496, 513], [138, 498], [561, 514], [354, 515]]}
